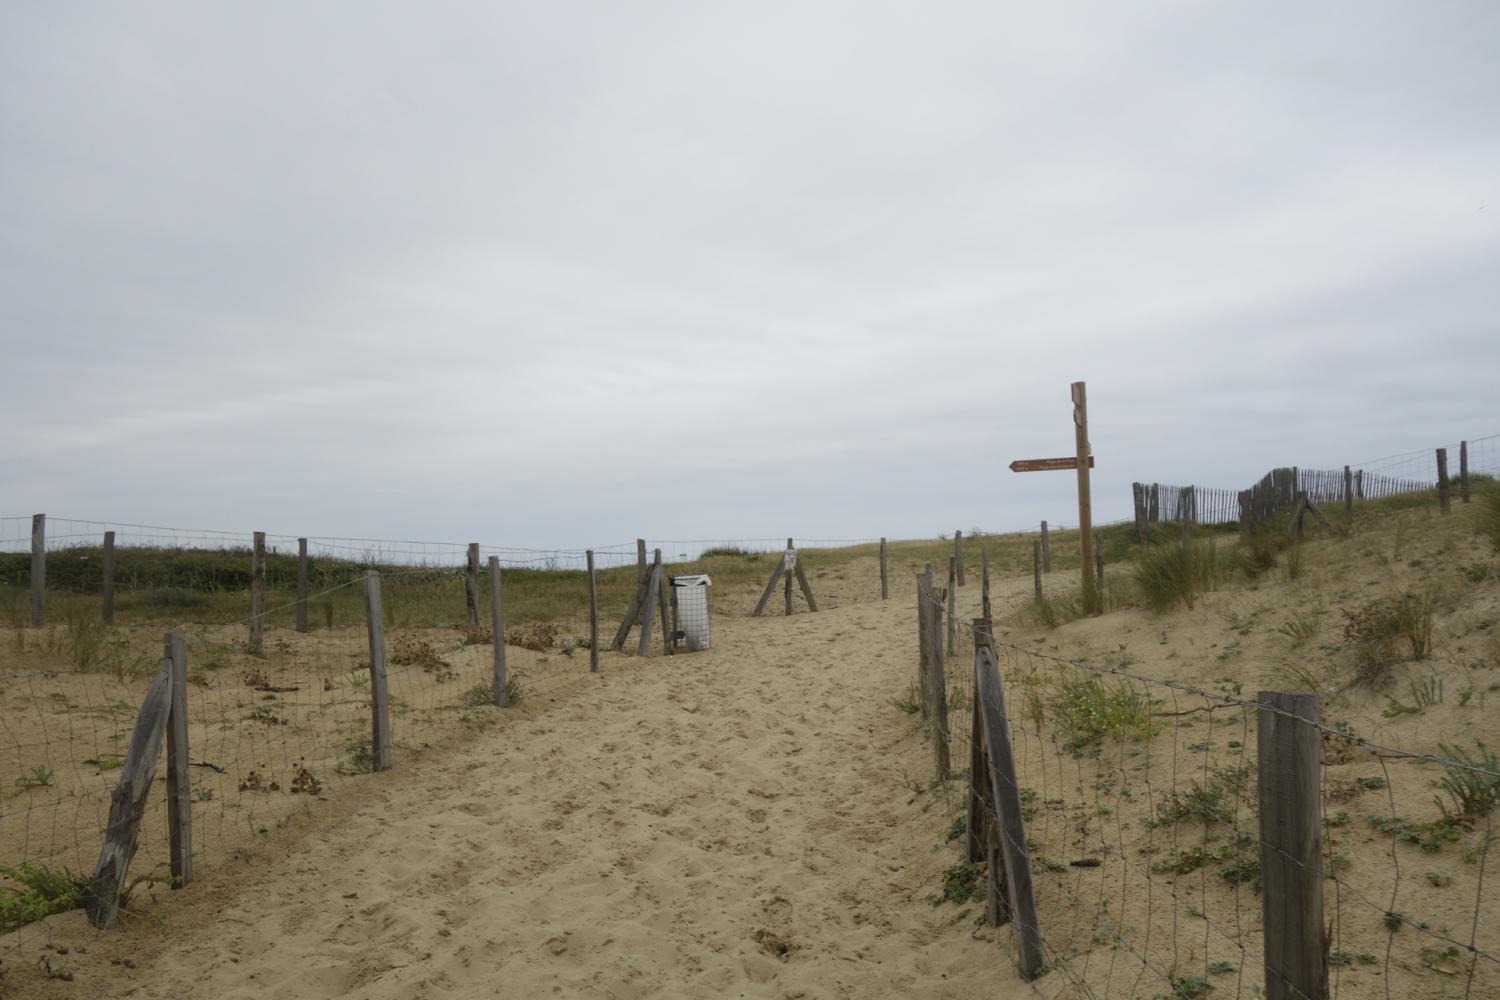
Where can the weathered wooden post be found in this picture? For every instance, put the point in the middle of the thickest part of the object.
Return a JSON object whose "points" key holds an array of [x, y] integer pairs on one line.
{"points": [[380, 695], [951, 599], [668, 645], [924, 595], [258, 594], [1085, 501], [1138, 498], [937, 681], [1189, 502], [1036, 568], [1463, 472], [958, 554], [885, 587], [1046, 550], [1154, 514], [38, 570], [127, 803], [1099, 564], [497, 629], [648, 606], [179, 780], [1442, 479], [593, 611], [302, 585], [471, 586], [1005, 794], [1348, 495], [1291, 861], [984, 582], [107, 585]]}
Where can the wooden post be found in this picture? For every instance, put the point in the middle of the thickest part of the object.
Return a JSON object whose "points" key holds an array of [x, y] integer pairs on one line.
{"points": [[179, 779], [107, 585], [1046, 550], [937, 682], [1036, 568], [258, 594], [471, 587], [127, 803], [593, 613], [1085, 501], [643, 572], [38, 570], [1138, 495], [380, 695], [1348, 495], [1188, 501], [807, 594], [924, 595], [989, 697], [1463, 472], [1359, 484], [301, 585], [648, 607], [765, 596], [885, 586], [984, 582], [958, 554], [500, 680], [1154, 513], [789, 578], [952, 602], [1291, 861], [662, 586], [1442, 484]]}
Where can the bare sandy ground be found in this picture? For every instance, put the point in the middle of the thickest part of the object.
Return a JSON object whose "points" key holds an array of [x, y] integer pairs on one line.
{"points": [[746, 822]]}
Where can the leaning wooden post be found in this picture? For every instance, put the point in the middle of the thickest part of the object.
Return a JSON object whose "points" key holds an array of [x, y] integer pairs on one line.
{"points": [[643, 577], [1291, 860], [179, 780], [958, 555], [952, 602], [593, 613], [1442, 484], [648, 606], [107, 585], [497, 630], [258, 594], [1046, 550], [1036, 568], [989, 698], [380, 695], [302, 585], [1463, 472], [1085, 501], [984, 582], [471, 586], [885, 583], [662, 601], [127, 803], [38, 570]]}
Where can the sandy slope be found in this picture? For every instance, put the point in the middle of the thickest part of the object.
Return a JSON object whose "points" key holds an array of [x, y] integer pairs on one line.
{"points": [[744, 822]]}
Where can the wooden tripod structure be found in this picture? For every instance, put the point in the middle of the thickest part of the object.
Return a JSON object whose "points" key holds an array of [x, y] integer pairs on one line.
{"points": [[650, 594], [787, 567]]}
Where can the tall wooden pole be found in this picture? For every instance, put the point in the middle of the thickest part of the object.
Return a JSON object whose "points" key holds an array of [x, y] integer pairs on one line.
{"points": [[593, 616], [1085, 504]]}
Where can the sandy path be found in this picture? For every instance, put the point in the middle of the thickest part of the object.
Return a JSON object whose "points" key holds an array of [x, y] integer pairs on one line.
{"points": [[668, 832]]}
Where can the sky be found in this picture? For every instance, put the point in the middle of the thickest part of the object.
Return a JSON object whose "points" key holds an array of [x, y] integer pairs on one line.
{"points": [[563, 274]]}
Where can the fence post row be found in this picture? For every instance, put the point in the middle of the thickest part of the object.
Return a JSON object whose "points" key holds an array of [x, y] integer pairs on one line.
{"points": [[258, 593], [380, 696], [38, 570], [1005, 840], [1290, 760], [107, 585], [500, 681]]}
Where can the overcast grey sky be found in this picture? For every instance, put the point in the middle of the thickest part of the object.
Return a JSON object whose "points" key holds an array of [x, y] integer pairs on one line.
{"points": [[563, 274]]}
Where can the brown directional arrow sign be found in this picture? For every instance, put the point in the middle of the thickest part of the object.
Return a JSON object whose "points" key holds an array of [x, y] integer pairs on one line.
{"points": [[1047, 464]]}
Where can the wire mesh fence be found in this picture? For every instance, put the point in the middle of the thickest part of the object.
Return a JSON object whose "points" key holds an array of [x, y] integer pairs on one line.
{"points": [[1153, 865]]}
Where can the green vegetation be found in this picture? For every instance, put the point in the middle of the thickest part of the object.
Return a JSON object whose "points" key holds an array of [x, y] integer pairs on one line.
{"points": [[1472, 783], [961, 884], [38, 892], [1086, 711], [1170, 575]]}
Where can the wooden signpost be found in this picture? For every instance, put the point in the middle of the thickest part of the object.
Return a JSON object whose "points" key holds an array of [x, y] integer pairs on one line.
{"points": [[1081, 462]]}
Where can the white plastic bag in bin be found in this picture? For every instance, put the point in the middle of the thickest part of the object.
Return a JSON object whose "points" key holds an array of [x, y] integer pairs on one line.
{"points": [[692, 609]]}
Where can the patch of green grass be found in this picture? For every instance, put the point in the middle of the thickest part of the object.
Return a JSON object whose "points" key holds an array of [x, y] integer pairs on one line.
{"points": [[1472, 783], [961, 884], [1086, 711], [38, 892], [1169, 575], [911, 702], [1430, 837], [1205, 804], [1302, 626]]}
